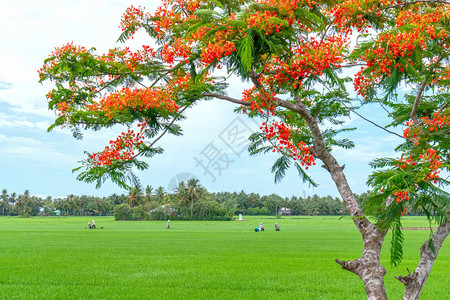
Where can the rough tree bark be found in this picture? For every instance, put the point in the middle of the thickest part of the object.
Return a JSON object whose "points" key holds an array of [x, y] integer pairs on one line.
{"points": [[368, 267], [415, 282]]}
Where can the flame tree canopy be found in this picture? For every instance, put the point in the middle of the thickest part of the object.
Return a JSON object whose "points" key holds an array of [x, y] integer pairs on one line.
{"points": [[310, 63]]}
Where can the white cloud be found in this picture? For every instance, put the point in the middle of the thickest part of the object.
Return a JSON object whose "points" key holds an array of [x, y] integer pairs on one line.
{"points": [[34, 152], [10, 121]]}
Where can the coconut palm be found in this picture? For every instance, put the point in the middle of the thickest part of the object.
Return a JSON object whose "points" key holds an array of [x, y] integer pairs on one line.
{"points": [[181, 194], [5, 201], [148, 193], [160, 193], [135, 196], [194, 191], [21, 201]]}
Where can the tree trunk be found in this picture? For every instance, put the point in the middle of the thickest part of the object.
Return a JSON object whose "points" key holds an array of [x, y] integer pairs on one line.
{"points": [[368, 267], [415, 282]]}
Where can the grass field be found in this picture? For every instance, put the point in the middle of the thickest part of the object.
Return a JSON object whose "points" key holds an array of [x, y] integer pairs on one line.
{"points": [[47, 258]]}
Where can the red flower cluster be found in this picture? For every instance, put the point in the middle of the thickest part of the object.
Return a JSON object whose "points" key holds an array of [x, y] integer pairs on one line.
{"points": [[264, 20], [121, 149], [309, 58], [171, 13], [395, 50], [433, 163], [127, 98], [133, 18], [440, 120], [260, 100], [401, 195], [177, 49], [268, 20], [353, 13], [405, 162], [62, 107], [281, 132], [132, 60], [217, 49], [64, 51]]}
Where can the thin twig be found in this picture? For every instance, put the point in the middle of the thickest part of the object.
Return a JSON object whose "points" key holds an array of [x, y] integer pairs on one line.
{"points": [[354, 65], [163, 133], [389, 113], [109, 83], [444, 106], [358, 114]]}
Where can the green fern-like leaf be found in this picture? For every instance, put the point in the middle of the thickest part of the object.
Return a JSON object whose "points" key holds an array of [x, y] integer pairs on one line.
{"points": [[396, 244], [280, 167], [245, 51], [305, 178]]}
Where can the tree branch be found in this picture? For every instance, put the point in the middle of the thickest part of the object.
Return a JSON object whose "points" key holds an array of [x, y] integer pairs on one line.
{"points": [[227, 98], [162, 133], [412, 3], [358, 114], [415, 282], [351, 265], [417, 100]]}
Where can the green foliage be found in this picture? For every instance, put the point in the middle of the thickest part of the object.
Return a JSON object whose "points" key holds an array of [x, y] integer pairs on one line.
{"points": [[396, 243], [246, 51], [122, 212], [304, 176], [280, 166], [423, 196]]}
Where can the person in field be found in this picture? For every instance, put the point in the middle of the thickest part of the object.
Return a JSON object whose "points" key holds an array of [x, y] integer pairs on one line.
{"points": [[257, 229], [89, 224], [277, 228], [168, 224], [261, 227], [93, 224]]}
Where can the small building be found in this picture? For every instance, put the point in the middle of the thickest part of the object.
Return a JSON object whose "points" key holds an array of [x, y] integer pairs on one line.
{"points": [[285, 211]]}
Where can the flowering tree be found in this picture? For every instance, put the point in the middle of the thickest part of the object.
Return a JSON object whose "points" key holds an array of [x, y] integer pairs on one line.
{"points": [[293, 52]]}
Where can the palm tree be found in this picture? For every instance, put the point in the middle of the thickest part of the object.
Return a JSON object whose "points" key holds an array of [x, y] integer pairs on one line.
{"points": [[48, 206], [72, 205], [160, 193], [181, 193], [5, 200], [194, 191], [21, 201], [148, 193], [135, 196]]}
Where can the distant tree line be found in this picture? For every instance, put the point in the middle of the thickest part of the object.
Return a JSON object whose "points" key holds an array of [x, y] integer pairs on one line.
{"points": [[189, 201]]}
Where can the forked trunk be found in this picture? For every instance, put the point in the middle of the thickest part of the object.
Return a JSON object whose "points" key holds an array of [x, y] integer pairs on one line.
{"points": [[368, 266], [415, 282]]}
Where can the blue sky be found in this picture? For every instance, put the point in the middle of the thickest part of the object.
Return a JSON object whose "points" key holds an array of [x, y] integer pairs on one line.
{"points": [[31, 158]]}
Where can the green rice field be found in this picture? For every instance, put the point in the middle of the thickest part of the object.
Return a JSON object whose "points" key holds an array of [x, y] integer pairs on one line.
{"points": [[47, 258]]}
